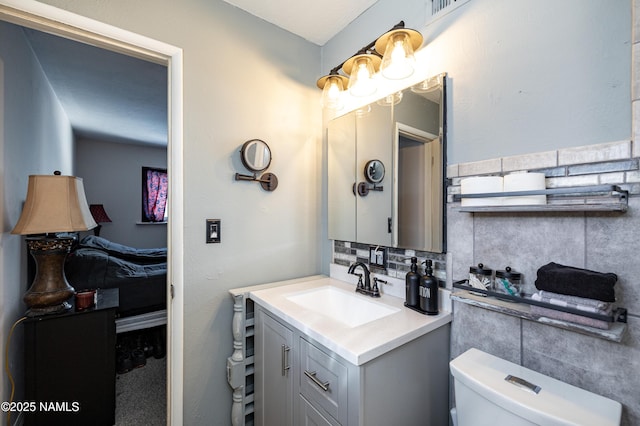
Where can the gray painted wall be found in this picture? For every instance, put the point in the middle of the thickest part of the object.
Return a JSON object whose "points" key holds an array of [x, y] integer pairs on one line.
{"points": [[112, 176], [35, 138], [243, 79], [524, 76]]}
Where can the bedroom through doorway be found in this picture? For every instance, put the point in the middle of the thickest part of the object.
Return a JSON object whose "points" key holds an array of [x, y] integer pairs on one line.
{"points": [[141, 314]]}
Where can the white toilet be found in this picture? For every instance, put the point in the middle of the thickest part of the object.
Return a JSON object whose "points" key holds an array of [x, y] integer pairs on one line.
{"points": [[492, 391]]}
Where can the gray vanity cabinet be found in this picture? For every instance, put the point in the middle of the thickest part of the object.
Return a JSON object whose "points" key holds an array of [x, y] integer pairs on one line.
{"points": [[405, 386], [274, 382]]}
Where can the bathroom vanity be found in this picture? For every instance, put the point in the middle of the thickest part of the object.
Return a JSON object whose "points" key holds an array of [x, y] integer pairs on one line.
{"points": [[322, 354]]}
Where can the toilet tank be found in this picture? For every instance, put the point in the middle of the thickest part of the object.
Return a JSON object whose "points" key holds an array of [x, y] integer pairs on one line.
{"points": [[484, 396]]}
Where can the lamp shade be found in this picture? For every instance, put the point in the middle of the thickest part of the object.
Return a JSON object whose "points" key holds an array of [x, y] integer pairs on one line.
{"points": [[99, 214], [332, 85], [361, 69], [55, 203], [398, 47]]}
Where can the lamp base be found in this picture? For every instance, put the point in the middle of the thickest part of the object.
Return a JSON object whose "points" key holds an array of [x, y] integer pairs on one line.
{"points": [[49, 310], [50, 290]]}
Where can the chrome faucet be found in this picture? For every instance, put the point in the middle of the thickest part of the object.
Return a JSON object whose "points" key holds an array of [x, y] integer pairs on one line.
{"points": [[366, 287]]}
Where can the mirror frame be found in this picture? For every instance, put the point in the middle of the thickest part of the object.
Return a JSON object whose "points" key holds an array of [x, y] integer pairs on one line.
{"points": [[434, 83], [247, 162], [367, 171]]}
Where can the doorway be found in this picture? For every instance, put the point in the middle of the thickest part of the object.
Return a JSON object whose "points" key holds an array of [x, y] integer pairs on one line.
{"points": [[39, 16], [415, 168]]}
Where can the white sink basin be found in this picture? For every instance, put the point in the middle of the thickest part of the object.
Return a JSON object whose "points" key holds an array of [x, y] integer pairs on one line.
{"points": [[348, 308]]}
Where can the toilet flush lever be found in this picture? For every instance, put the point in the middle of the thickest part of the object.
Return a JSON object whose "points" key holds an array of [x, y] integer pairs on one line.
{"points": [[522, 383]]}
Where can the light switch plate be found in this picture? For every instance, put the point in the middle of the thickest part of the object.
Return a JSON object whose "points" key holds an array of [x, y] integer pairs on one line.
{"points": [[213, 231]]}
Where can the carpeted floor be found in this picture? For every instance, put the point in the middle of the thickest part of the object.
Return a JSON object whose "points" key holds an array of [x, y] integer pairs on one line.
{"points": [[141, 395]]}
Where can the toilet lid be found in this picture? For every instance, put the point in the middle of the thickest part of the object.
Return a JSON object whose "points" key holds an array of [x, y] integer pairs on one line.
{"points": [[555, 402]]}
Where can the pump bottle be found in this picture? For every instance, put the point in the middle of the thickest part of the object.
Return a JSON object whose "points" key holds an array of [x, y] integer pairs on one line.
{"points": [[412, 283], [429, 291]]}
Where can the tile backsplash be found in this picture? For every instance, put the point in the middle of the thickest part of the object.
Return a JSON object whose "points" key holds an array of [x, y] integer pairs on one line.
{"points": [[398, 260]]}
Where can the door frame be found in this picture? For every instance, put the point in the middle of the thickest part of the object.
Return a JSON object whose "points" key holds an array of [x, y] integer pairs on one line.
{"points": [[46, 18]]}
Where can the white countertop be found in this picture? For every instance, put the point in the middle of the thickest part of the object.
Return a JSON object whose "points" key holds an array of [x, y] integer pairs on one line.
{"points": [[357, 345]]}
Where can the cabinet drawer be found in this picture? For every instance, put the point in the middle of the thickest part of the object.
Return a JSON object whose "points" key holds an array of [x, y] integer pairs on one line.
{"points": [[323, 381], [312, 417]]}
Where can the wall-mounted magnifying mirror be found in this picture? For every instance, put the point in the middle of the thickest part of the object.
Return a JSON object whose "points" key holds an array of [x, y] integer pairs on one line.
{"points": [[374, 171], [255, 155]]}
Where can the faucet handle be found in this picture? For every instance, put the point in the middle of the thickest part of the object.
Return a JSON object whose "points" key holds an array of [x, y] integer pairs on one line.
{"points": [[360, 285], [375, 289], [377, 280]]}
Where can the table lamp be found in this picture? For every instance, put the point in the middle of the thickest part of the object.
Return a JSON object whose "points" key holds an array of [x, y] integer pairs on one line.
{"points": [[54, 203], [100, 216]]}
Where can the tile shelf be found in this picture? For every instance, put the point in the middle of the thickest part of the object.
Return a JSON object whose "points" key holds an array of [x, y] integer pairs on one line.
{"points": [[521, 307], [595, 198]]}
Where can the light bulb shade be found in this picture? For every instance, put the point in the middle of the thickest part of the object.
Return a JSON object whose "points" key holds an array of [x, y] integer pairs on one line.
{"points": [[332, 86], [390, 99], [397, 47], [361, 69], [55, 203]]}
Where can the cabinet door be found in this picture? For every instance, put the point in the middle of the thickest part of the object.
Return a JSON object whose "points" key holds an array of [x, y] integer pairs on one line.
{"points": [[273, 372], [374, 137], [341, 199], [70, 359]]}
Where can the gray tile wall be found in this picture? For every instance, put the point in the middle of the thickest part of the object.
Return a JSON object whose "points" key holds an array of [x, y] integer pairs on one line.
{"points": [[607, 242]]}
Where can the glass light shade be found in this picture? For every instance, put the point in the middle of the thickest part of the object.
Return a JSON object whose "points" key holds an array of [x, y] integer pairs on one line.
{"points": [[361, 69], [364, 111], [390, 99], [398, 61], [331, 91]]}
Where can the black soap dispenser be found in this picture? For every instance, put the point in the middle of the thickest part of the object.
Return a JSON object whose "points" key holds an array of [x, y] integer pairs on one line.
{"points": [[412, 283], [429, 291]]}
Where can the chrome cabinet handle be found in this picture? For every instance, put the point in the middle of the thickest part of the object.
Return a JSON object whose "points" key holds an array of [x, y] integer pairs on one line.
{"points": [[522, 383], [312, 375], [285, 359]]}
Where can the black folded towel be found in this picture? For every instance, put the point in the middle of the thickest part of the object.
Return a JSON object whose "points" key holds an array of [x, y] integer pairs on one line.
{"points": [[576, 282]]}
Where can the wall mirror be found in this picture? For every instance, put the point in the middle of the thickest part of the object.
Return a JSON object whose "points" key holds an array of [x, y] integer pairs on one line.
{"points": [[407, 137], [255, 155], [374, 171]]}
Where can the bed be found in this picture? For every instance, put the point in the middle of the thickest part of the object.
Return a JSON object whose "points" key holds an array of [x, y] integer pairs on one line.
{"points": [[139, 274]]}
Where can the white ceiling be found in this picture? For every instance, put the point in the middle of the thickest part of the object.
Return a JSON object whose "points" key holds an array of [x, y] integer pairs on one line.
{"points": [[106, 95], [313, 20]]}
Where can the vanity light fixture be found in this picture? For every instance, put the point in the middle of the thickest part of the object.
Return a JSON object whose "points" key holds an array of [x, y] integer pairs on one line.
{"points": [[397, 45], [331, 86], [361, 69]]}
